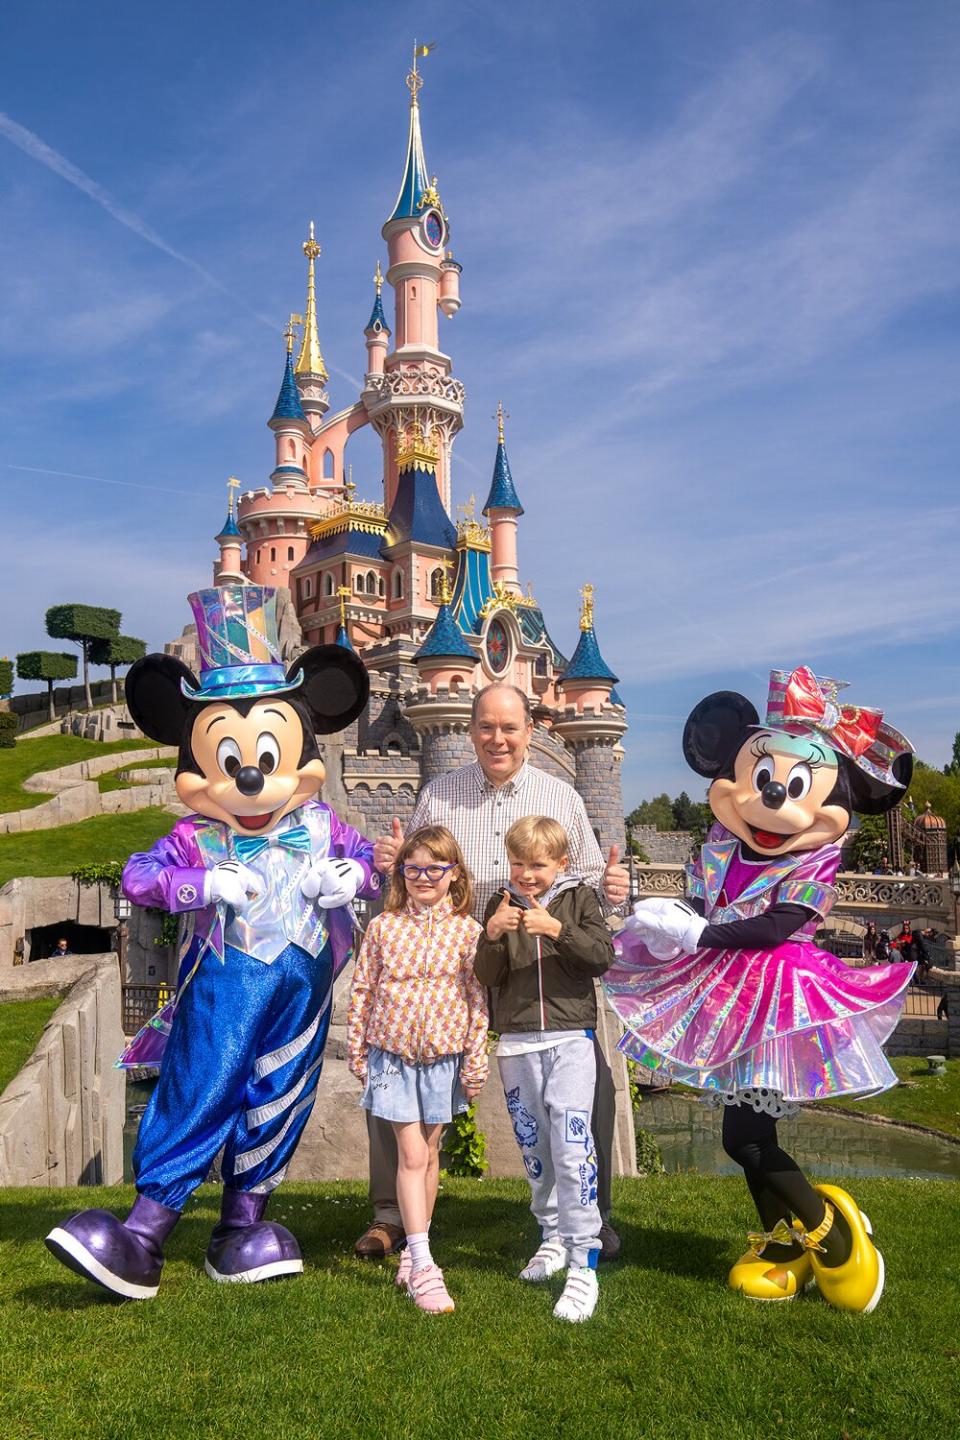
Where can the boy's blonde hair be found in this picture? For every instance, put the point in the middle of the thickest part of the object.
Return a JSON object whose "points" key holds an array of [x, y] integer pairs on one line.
{"points": [[537, 835]]}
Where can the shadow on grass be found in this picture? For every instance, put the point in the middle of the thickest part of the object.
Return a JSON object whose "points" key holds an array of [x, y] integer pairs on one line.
{"points": [[69, 1296]]}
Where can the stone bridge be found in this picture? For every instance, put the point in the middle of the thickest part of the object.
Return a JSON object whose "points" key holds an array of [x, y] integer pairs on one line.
{"points": [[886, 899]]}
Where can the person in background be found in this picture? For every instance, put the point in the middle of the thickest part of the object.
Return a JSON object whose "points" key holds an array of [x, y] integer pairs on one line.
{"points": [[62, 947], [870, 943]]}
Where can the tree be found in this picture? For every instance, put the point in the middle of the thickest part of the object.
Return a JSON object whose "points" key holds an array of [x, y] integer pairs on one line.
{"points": [[83, 624], [6, 678], [657, 812], [943, 793], [118, 650], [953, 767], [869, 844], [692, 815], [47, 665]]}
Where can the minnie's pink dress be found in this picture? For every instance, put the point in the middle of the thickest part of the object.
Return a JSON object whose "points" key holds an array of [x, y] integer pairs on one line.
{"points": [[793, 1020]]}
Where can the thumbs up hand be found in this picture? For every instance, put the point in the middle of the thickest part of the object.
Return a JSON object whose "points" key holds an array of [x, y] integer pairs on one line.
{"points": [[385, 847], [505, 917], [538, 920], [616, 878]]}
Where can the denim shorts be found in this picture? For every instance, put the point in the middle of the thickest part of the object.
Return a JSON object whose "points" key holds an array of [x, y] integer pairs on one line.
{"points": [[397, 1090]]}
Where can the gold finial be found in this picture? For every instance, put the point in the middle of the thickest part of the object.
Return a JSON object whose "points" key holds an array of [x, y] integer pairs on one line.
{"points": [[414, 80], [290, 334], [418, 452], [233, 484], [378, 278], [343, 592], [586, 612], [446, 590], [500, 416], [310, 360], [431, 196]]}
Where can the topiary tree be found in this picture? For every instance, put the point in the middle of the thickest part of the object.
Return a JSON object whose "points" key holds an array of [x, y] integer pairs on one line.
{"points": [[8, 730], [83, 624], [6, 678], [49, 665], [119, 650]]}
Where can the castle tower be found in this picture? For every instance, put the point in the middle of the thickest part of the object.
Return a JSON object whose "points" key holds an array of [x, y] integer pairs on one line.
{"points": [[229, 570], [290, 425], [416, 383], [592, 727], [377, 332], [310, 370], [502, 509]]}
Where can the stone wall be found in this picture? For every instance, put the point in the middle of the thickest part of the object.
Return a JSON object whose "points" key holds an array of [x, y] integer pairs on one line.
{"points": [[61, 1117], [549, 753], [33, 708], [75, 794], [30, 902], [664, 847], [916, 1036], [599, 783]]}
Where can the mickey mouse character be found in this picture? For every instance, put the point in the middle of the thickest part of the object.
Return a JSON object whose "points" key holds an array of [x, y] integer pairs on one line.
{"points": [[730, 994], [264, 873]]}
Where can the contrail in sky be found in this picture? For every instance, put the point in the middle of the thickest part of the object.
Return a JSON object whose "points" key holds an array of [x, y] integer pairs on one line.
{"points": [[45, 155], [101, 480]]}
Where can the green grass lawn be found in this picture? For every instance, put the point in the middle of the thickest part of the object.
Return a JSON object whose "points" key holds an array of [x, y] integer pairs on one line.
{"points": [[671, 1354], [112, 780], [21, 1025], [60, 851], [931, 1100], [48, 752]]}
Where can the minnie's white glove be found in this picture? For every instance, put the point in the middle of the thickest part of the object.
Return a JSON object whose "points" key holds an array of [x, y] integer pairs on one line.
{"points": [[332, 882], [233, 883], [668, 928]]}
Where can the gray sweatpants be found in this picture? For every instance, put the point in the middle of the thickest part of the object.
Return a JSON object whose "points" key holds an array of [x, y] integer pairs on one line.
{"points": [[549, 1097]]}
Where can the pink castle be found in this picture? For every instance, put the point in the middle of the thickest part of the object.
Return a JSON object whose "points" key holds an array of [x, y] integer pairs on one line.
{"points": [[435, 608]]}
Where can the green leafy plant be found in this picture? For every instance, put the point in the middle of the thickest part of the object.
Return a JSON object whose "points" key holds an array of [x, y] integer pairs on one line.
{"points": [[117, 650], [103, 872], [8, 730], [6, 677], [83, 624], [649, 1158], [48, 665], [169, 928], [465, 1146]]}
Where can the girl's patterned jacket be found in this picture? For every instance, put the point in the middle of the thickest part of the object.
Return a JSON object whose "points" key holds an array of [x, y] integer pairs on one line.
{"points": [[414, 992]]}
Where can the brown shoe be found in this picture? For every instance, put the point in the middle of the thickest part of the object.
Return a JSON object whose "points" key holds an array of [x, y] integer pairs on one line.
{"points": [[609, 1242], [380, 1240]]}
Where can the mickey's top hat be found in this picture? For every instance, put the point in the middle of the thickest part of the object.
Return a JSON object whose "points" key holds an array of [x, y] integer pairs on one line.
{"points": [[239, 644]]}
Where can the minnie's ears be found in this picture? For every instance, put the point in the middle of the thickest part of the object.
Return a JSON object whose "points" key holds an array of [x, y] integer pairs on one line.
{"points": [[335, 686], [715, 730], [154, 698], [872, 797]]}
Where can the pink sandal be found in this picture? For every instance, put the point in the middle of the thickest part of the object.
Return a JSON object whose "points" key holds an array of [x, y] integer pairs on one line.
{"points": [[405, 1267], [427, 1290]]}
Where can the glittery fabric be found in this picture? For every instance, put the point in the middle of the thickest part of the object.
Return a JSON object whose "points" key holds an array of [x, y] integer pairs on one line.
{"points": [[238, 642], [796, 1019], [802, 703]]}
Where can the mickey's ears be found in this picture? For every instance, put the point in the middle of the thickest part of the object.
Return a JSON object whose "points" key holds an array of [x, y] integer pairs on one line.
{"points": [[335, 686], [154, 698]]}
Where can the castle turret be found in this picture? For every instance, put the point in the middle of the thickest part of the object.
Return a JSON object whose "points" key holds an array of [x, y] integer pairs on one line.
{"points": [[416, 383], [502, 509], [378, 331], [289, 424], [592, 727], [310, 370], [229, 570], [445, 661]]}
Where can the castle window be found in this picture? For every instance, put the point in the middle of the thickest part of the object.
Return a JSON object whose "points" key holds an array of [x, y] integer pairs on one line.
{"points": [[436, 583], [381, 589], [398, 584], [328, 583], [371, 583], [328, 465], [307, 588], [258, 557], [358, 584], [292, 449], [540, 665], [273, 552], [289, 552]]}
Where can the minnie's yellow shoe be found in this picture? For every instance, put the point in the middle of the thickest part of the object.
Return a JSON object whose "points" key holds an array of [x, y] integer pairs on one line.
{"points": [[857, 1284], [761, 1279]]}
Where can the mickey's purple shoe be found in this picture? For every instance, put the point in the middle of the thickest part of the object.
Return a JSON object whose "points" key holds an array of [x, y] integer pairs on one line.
{"points": [[124, 1256], [244, 1247]]}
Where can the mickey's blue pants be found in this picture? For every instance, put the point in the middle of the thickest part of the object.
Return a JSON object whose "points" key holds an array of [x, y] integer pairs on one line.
{"points": [[239, 1072]]}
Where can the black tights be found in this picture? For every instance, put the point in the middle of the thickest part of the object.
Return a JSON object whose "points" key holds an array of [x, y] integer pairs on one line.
{"points": [[778, 1185]]}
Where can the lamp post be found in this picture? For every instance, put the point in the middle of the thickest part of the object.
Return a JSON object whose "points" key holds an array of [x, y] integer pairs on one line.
{"points": [[121, 910], [631, 867], [954, 875]]}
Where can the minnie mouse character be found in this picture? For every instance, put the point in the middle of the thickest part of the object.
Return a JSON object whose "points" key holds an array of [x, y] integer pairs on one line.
{"points": [[264, 873], [730, 994]]}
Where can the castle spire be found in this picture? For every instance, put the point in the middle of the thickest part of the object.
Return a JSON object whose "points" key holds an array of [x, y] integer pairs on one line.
{"points": [[587, 662], [503, 495], [377, 324], [310, 360], [416, 188]]}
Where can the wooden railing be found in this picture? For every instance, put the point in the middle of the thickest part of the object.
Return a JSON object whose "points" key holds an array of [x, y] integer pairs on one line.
{"points": [[140, 1002]]}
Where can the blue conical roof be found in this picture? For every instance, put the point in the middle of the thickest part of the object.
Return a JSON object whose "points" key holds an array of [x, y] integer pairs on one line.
{"points": [[377, 318], [503, 495], [288, 405], [343, 638], [587, 662], [415, 178], [617, 699], [230, 529], [446, 638]]}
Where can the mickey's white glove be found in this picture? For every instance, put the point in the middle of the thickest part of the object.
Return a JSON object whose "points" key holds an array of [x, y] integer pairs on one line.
{"points": [[233, 883], [332, 882], [668, 928]]}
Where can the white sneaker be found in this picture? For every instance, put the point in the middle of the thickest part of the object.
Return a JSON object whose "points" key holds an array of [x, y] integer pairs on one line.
{"points": [[579, 1298], [549, 1260]]}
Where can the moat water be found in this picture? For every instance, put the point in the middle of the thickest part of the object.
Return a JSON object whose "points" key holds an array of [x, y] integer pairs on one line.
{"points": [[820, 1141]]}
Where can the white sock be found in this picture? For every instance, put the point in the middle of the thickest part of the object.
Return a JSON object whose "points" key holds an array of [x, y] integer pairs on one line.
{"points": [[419, 1247]]}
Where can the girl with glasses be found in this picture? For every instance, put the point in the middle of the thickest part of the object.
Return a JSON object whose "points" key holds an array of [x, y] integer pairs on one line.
{"points": [[417, 1031]]}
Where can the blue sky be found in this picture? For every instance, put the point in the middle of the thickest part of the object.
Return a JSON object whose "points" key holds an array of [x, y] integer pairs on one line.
{"points": [[710, 265]]}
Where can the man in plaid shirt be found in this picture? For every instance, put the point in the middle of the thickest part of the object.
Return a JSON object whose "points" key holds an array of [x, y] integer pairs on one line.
{"points": [[478, 803]]}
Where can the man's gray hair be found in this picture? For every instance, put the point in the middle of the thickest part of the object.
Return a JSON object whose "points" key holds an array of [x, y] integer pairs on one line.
{"points": [[498, 685]]}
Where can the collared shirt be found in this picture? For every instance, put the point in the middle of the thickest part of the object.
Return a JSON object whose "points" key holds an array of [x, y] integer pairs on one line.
{"points": [[479, 814]]}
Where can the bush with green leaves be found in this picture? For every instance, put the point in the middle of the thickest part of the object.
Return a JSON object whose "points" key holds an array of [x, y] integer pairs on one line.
{"points": [[48, 665], [465, 1146], [83, 624], [8, 730], [117, 650], [6, 678]]}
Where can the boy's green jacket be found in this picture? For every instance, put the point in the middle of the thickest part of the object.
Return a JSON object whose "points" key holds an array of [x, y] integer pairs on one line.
{"points": [[543, 984]]}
